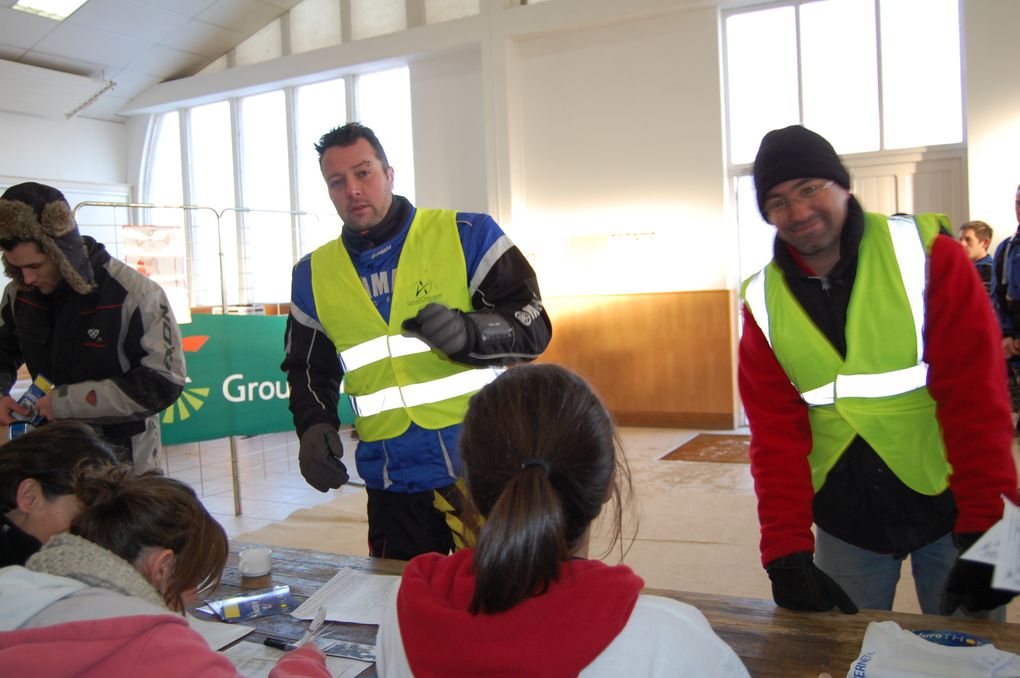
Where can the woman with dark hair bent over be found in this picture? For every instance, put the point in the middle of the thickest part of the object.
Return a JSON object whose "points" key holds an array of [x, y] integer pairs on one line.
{"points": [[540, 459], [101, 600], [36, 478]]}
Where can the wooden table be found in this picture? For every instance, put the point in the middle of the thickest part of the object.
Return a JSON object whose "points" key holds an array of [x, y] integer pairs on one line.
{"points": [[305, 572], [770, 640], [773, 641]]}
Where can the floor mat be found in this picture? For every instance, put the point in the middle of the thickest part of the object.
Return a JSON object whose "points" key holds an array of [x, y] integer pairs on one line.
{"points": [[717, 447]]}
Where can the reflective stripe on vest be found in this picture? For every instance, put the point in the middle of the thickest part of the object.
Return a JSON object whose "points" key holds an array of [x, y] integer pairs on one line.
{"points": [[911, 258], [381, 348], [420, 394]]}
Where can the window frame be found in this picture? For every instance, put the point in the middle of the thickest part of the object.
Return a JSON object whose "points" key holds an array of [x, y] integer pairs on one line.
{"points": [[240, 293]]}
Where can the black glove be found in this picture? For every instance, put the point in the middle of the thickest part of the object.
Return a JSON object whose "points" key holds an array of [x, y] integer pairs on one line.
{"points": [[798, 584], [319, 458], [441, 328], [970, 584]]}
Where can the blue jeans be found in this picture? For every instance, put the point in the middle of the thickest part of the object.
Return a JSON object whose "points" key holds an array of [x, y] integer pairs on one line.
{"points": [[870, 578]]}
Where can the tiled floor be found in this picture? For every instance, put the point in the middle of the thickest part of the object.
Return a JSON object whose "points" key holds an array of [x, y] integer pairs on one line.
{"points": [[271, 486]]}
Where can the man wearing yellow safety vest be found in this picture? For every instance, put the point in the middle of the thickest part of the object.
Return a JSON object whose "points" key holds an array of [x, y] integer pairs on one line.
{"points": [[871, 377], [414, 310]]}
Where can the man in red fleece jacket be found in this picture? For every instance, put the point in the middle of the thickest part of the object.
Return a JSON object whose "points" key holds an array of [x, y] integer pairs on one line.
{"points": [[871, 377]]}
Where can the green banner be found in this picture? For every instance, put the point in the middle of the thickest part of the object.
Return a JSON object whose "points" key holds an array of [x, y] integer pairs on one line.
{"points": [[235, 386]]}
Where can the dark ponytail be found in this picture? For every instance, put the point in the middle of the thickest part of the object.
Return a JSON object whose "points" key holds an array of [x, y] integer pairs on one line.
{"points": [[540, 458]]}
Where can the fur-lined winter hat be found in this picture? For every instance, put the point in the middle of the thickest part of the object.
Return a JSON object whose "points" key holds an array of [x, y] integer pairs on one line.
{"points": [[37, 213]]}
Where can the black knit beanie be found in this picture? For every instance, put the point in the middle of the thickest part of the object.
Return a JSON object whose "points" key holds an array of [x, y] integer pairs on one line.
{"points": [[795, 152], [38, 213]]}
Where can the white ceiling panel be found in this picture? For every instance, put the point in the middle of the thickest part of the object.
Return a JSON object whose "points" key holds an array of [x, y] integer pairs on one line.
{"points": [[167, 63], [198, 37], [22, 29], [132, 19], [186, 7], [112, 49], [45, 92], [136, 43], [11, 53], [107, 106], [131, 83], [69, 65]]}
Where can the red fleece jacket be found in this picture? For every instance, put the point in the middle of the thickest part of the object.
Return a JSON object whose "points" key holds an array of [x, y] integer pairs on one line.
{"points": [[966, 378], [150, 646], [555, 634]]}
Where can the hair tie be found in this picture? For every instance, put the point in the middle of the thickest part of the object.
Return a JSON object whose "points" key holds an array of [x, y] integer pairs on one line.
{"points": [[535, 461]]}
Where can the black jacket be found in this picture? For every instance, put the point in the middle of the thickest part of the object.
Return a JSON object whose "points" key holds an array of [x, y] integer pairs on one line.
{"points": [[15, 545], [113, 355]]}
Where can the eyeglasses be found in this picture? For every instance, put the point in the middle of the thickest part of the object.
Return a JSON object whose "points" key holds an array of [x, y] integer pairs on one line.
{"points": [[779, 206]]}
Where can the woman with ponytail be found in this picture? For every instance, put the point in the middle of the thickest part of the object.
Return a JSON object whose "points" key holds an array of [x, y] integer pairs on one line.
{"points": [[541, 461], [108, 598]]}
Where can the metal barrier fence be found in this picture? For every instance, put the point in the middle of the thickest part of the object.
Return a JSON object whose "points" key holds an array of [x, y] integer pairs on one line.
{"points": [[235, 256], [232, 259]]}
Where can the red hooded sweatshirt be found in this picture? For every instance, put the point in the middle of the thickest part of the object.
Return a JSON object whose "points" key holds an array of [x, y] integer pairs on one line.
{"points": [[557, 633]]}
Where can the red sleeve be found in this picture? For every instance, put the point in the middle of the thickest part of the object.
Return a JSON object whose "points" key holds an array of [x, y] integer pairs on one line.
{"points": [[178, 646], [967, 379], [780, 444]]}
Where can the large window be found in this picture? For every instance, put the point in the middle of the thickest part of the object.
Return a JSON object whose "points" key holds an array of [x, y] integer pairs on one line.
{"points": [[165, 178], [846, 71], [165, 166], [849, 70], [320, 108], [211, 174], [249, 162], [263, 200], [265, 187]]}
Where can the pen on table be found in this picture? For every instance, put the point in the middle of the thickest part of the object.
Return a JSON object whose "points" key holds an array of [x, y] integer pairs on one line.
{"points": [[279, 643]]}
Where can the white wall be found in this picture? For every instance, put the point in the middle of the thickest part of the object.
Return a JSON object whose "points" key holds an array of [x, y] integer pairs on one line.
{"points": [[621, 162], [992, 81], [449, 131], [53, 150]]}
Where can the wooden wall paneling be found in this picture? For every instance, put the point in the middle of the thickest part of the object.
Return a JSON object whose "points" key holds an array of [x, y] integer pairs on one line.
{"points": [[661, 359]]}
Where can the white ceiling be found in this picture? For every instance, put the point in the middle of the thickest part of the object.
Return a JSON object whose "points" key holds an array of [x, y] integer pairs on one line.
{"points": [[52, 68]]}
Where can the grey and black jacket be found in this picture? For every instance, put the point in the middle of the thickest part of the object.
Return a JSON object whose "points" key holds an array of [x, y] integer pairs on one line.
{"points": [[113, 354]]}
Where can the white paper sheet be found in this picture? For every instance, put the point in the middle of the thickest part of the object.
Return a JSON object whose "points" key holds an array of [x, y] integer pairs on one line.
{"points": [[218, 634], [1000, 547], [256, 661], [350, 596]]}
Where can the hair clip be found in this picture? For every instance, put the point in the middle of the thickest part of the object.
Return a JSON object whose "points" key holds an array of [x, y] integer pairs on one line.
{"points": [[535, 461]]}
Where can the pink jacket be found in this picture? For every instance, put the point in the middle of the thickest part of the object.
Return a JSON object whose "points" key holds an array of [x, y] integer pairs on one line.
{"points": [[149, 645]]}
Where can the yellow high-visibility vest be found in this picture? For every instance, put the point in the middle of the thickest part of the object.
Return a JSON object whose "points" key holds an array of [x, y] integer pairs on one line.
{"points": [[879, 391], [392, 379]]}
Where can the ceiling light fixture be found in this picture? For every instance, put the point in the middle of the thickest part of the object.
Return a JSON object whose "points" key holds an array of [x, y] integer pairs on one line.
{"points": [[51, 9], [91, 100]]}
